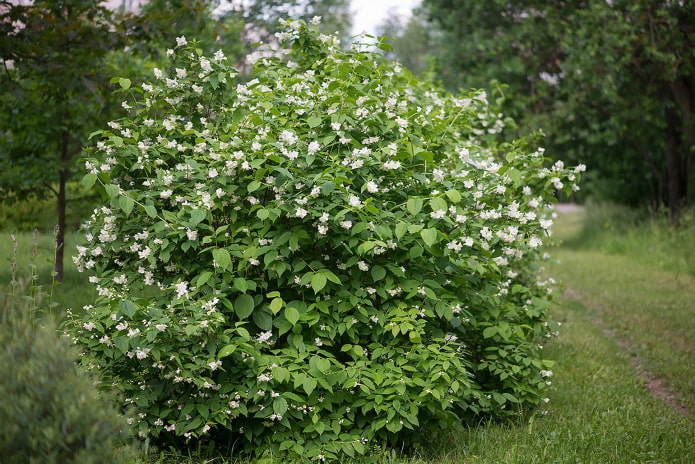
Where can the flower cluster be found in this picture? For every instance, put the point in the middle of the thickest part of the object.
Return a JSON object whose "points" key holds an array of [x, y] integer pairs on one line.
{"points": [[329, 254]]}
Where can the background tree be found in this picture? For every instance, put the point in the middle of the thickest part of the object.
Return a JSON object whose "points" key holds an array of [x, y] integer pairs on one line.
{"points": [[611, 83], [54, 90], [413, 37]]}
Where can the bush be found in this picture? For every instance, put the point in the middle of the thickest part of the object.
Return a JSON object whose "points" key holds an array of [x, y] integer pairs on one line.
{"points": [[50, 411], [316, 262]]}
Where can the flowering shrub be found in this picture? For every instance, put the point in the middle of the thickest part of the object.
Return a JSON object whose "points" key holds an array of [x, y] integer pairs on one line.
{"points": [[318, 261]]}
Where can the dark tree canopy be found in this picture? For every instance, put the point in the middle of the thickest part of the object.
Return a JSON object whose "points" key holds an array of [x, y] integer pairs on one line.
{"points": [[612, 83]]}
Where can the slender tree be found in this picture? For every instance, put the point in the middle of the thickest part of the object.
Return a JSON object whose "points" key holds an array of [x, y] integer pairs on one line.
{"points": [[54, 90]]}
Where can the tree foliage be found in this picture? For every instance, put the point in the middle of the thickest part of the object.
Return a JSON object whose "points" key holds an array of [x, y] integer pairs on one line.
{"points": [[54, 89], [611, 82]]}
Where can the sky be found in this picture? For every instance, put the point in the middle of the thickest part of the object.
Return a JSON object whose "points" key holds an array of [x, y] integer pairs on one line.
{"points": [[370, 13]]}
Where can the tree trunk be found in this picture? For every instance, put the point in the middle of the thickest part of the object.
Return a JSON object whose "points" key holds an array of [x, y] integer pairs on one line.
{"points": [[61, 207], [676, 166]]}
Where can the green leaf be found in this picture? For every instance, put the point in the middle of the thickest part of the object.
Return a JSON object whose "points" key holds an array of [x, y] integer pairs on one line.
{"points": [[127, 308], [490, 331], [292, 315], [401, 229], [222, 258], [263, 319], [226, 351], [429, 236], [124, 83], [197, 216], [253, 186], [276, 305], [414, 337], [438, 204], [309, 385], [378, 273], [126, 203], [313, 121], [262, 214], [112, 190], [203, 278], [454, 195], [414, 205], [88, 181], [323, 365], [330, 276], [327, 187], [151, 211], [241, 284], [514, 175], [243, 306], [318, 281], [280, 405]]}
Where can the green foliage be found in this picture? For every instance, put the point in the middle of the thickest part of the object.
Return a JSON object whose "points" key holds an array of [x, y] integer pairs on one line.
{"points": [[318, 262], [51, 411], [610, 82]]}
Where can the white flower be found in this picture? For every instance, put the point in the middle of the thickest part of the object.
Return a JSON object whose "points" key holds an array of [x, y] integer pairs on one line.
{"points": [[391, 165], [181, 41], [535, 242], [313, 147], [546, 223], [438, 214], [354, 201], [181, 289], [316, 20], [323, 229], [455, 245], [161, 327], [362, 266], [346, 224], [372, 187], [89, 326], [324, 217], [288, 137], [301, 212]]}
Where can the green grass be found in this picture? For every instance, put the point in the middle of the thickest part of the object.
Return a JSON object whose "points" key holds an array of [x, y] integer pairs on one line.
{"points": [[621, 316], [39, 254], [646, 237]]}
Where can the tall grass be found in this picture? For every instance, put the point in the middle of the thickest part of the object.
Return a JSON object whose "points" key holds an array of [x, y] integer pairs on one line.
{"points": [[33, 261], [647, 237]]}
